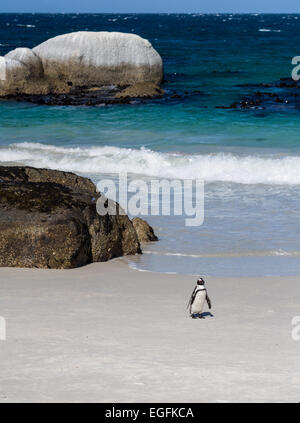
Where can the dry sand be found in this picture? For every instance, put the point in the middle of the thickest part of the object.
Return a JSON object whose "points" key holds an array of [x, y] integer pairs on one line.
{"points": [[107, 333]]}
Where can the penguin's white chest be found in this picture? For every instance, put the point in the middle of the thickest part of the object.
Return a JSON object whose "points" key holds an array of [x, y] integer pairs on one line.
{"points": [[199, 301]]}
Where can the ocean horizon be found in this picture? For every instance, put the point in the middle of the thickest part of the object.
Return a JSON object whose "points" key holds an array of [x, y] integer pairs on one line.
{"points": [[249, 159]]}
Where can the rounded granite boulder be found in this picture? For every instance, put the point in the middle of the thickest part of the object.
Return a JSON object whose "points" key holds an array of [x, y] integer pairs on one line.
{"points": [[99, 58], [73, 64], [28, 58], [21, 71], [13, 75]]}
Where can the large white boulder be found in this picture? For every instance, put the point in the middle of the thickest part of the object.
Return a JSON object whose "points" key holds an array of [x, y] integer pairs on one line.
{"points": [[82, 59], [87, 58]]}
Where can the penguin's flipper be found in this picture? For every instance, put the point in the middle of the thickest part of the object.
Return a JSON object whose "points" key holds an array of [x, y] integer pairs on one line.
{"points": [[208, 301], [192, 298]]}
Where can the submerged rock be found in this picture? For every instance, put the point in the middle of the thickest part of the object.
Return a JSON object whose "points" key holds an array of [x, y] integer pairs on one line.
{"points": [[144, 231], [48, 219], [279, 96]]}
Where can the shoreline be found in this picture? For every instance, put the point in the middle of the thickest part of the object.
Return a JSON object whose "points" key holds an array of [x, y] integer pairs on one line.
{"points": [[107, 333]]}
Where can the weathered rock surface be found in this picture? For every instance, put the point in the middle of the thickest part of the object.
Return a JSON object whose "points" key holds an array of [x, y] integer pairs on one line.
{"points": [[28, 58], [21, 71], [81, 60], [48, 219], [144, 231], [13, 75], [144, 90]]}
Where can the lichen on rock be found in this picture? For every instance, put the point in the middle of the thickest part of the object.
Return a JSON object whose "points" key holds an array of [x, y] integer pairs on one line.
{"points": [[141, 90], [144, 231]]}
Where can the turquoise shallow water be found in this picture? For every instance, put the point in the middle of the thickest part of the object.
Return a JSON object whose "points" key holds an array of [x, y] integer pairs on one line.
{"points": [[249, 159]]}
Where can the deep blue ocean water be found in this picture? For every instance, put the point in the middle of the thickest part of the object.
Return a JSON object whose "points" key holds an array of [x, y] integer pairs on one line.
{"points": [[249, 160]]}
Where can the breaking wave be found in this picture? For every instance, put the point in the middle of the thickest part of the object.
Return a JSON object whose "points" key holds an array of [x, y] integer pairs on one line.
{"points": [[224, 167]]}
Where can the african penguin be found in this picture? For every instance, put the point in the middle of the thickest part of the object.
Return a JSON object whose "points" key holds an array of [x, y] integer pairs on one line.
{"points": [[198, 298]]}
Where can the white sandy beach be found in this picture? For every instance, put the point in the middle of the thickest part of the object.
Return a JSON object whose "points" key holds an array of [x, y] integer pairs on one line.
{"points": [[107, 333]]}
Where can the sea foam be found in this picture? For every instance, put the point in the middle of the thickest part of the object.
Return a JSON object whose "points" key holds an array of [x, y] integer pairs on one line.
{"points": [[224, 167]]}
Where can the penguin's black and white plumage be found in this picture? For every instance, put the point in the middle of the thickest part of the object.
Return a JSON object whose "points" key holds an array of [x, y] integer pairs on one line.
{"points": [[198, 298]]}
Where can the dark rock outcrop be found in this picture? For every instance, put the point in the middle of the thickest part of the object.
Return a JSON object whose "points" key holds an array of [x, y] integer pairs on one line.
{"points": [[48, 219], [144, 231], [279, 96], [107, 95]]}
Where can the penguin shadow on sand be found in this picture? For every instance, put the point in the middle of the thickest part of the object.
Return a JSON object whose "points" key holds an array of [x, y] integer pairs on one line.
{"points": [[197, 301], [202, 315]]}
